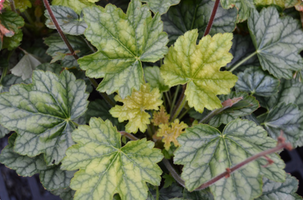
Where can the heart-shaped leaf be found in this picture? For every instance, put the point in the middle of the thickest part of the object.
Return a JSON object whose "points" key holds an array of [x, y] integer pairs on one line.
{"points": [[206, 153], [135, 38], [107, 168], [43, 113], [198, 66], [278, 42]]}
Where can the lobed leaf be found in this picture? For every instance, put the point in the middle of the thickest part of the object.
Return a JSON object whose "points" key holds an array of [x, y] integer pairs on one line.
{"points": [[154, 78], [134, 107], [243, 7], [68, 20], [76, 5], [43, 113], [198, 66], [255, 81], [160, 6], [136, 37], [195, 14], [107, 168], [206, 153], [277, 42]]}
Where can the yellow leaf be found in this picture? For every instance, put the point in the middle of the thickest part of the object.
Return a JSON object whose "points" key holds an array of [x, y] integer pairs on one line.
{"points": [[160, 117], [134, 107], [171, 132]]}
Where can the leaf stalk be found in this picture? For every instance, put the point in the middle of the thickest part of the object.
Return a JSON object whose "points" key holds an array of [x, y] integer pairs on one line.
{"points": [[243, 61], [212, 17]]}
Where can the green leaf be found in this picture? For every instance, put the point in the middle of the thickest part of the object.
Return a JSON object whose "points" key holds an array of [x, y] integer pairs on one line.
{"points": [[195, 14], [241, 48], [160, 6], [69, 20], [285, 117], [26, 66], [57, 46], [100, 108], [278, 42], [10, 32], [135, 38], [65, 194], [21, 5], [174, 191], [76, 5], [3, 131], [280, 191], [198, 66], [280, 3], [135, 106], [206, 153], [51, 177], [290, 91], [42, 113], [243, 7], [8, 81], [244, 107], [52, 67], [256, 81], [154, 78], [107, 168]]}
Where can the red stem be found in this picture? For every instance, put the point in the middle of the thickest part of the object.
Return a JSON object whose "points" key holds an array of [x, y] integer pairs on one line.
{"points": [[212, 17], [51, 14]]}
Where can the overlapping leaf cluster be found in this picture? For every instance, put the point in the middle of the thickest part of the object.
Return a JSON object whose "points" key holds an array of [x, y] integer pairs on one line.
{"points": [[219, 97]]}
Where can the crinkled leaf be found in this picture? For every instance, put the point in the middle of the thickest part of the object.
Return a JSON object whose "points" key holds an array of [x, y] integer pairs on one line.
{"points": [[280, 3], [134, 107], [241, 48], [22, 5], [255, 81], [195, 14], [285, 117], [57, 45], [160, 117], [107, 168], [51, 177], [290, 91], [100, 108], [26, 66], [42, 113], [205, 153], [278, 42], [13, 42], [135, 38], [8, 81], [243, 7], [160, 6], [69, 21], [199, 67], [244, 107], [280, 191], [76, 5], [154, 78], [11, 20]]}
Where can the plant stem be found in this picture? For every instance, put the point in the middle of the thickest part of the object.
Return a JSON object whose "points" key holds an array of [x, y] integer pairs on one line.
{"points": [[157, 193], [28, 17], [212, 17], [184, 113], [167, 98], [173, 172], [180, 105], [51, 14], [128, 135], [243, 61], [174, 100]]}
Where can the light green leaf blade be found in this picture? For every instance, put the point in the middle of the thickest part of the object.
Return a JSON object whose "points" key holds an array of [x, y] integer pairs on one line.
{"points": [[280, 191], [107, 168], [76, 5], [25, 66], [68, 20], [278, 42], [205, 153], [154, 78], [160, 6], [51, 177], [255, 81], [199, 67], [243, 7], [244, 107], [3, 131], [195, 14], [58, 46], [42, 113], [136, 37], [285, 117]]}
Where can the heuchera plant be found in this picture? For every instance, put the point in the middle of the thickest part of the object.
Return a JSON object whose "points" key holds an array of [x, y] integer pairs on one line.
{"points": [[152, 99]]}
